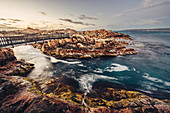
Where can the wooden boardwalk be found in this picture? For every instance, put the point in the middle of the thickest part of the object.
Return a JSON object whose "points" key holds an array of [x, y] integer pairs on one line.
{"points": [[14, 40]]}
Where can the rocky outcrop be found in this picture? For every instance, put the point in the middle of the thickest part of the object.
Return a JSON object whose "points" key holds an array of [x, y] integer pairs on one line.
{"points": [[62, 94], [11, 66], [105, 99], [88, 44], [18, 93], [16, 97], [7, 55]]}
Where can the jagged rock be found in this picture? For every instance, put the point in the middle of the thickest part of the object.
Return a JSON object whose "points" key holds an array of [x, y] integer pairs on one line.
{"points": [[7, 55], [96, 43], [81, 46], [62, 94], [10, 66], [15, 97]]}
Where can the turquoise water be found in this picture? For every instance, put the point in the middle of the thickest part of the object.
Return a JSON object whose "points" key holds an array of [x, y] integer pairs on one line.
{"points": [[148, 72]]}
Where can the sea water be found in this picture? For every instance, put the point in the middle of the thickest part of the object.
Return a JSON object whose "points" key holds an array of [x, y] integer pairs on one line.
{"points": [[147, 72]]}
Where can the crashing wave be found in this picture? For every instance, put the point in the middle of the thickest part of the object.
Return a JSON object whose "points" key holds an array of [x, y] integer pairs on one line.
{"points": [[42, 63]]}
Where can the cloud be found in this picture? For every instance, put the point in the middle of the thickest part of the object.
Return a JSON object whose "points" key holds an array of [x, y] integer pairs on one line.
{"points": [[82, 17], [7, 27], [11, 19], [155, 3], [76, 22], [119, 15], [146, 22], [15, 20], [43, 13], [70, 14], [146, 4], [151, 3], [2, 19], [45, 22], [99, 14]]}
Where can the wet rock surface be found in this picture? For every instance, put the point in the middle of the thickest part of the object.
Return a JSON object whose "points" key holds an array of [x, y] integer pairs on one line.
{"points": [[88, 44], [62, 94], [16, 96], [20, 94]]}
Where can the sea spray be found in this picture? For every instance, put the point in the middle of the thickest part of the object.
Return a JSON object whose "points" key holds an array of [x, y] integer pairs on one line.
{"points": [[43, 66], [86, 81]]}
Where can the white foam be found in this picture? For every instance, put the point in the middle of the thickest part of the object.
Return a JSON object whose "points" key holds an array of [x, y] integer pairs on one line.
{"points": [[149, 87], [1, 89], [87, 80], [144, 91], [98, 70], [167, 83], [133, 69], [116, 67], [35, 56], [81, 65], [54, 60], [147, 76]]}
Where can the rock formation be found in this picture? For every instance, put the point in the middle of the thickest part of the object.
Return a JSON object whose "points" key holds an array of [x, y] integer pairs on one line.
{"points": [[88, 44], [9, 65], [62, 94], [20, 94]]}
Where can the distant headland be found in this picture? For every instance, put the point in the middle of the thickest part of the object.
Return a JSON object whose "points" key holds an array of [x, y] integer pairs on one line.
{"points": [[152, 29]]}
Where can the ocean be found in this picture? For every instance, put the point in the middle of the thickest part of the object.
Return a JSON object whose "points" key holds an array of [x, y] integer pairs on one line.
{"points": [[147, 72]]}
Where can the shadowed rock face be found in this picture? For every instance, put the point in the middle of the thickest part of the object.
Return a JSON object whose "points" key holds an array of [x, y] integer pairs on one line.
{"points": [[10, 66], [7, 55], [88, 44]]}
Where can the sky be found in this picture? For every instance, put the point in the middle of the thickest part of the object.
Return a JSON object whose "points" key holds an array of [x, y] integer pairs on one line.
{"points": [[84, 14]]}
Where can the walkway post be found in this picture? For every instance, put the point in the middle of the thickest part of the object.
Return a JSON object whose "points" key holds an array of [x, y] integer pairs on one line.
{"points": [[25, 40]]}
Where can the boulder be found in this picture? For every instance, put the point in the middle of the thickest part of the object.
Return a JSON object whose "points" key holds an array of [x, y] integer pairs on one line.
{"points": [[6, 55]]}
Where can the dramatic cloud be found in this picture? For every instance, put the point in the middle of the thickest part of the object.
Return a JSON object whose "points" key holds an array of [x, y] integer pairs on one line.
{"points": [[82, 17], [76, 22], [43, 13]]}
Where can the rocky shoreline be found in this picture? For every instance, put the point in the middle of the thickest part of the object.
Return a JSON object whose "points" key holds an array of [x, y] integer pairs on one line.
{"points": [[88, 44], [19, 93]]}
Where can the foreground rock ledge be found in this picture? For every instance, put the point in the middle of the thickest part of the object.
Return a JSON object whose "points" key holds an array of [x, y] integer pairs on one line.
{"points": [[88, 44], [21, 94]]}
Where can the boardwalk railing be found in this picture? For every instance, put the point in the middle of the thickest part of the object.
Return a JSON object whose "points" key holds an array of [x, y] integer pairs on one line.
{"points": [[13, 40]]}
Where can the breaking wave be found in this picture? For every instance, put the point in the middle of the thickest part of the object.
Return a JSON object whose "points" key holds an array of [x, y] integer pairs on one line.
{"points": [[42, 63], [86, 81], [116, 67]]}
